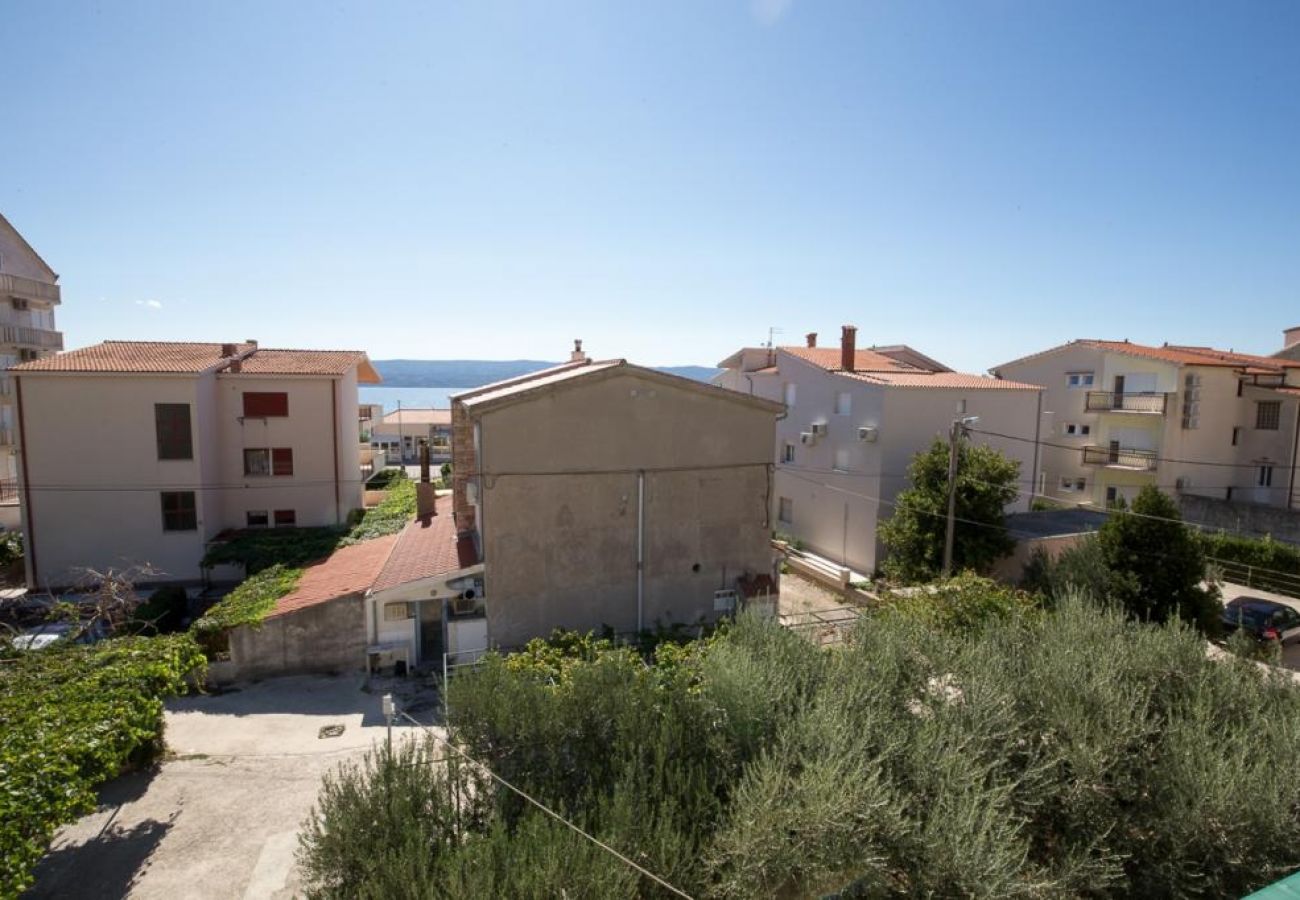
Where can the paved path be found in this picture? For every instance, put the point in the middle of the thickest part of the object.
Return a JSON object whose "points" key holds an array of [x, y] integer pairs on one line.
{"points": [[220, 818]]}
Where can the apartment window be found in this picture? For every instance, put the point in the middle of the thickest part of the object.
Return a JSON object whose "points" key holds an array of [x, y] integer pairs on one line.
{"points": [[268, 461], [787, 453], [1268, 415], [256, 518], [1076, 429], [843, 403], [179, 512], [785, 511], [790, 392], [265, 405], [397, 612], [18, 303], [841, 459], [172, 424], [27, 355], [1112, 496], [285, 517], [1079, 379], [1236, 436], [1073, 485], [1265, 476]]}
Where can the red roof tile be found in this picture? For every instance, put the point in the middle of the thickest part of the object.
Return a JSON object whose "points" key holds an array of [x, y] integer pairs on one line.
{"points": [[301, 362], [863, 360], [958, 380], [348, 570], [426, 548], [185, 358], [1176, 354]]}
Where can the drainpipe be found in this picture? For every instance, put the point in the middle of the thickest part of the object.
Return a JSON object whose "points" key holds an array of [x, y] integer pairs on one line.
{"points": [[1295, 449], [27, 518], [640, 550], [1038, 428]]}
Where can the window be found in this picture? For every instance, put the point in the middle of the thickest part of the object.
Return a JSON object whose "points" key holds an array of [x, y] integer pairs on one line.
{"points": [[18, 303], [263, 461], [1268, 415], [1236, 436], [265, 405], [27, 355], [1076, 429], [1073, 485], [256, 518], [1112, 496], [841, 459], [787, 453], [178, 511], [285, 517], [282, 461], [1079, 379], [789, 394], [1265, 476], [172, 424], [785, 511], [843, 403], [397, 612]]}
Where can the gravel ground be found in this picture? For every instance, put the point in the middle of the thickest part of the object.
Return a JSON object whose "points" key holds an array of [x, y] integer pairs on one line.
{"points": [[219, 818]]}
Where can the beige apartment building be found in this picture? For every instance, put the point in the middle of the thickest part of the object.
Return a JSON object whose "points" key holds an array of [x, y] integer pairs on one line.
{"points": [[29, 291], [140, 453], [400, 432], [1190, 420], [607, 494], [854, 420]]}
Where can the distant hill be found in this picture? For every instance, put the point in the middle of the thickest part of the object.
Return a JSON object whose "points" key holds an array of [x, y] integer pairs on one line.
{"points": [[467, 373]]}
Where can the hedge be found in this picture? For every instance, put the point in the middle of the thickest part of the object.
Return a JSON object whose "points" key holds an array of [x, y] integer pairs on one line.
{"points": [[72, 717], [1279, 562]]}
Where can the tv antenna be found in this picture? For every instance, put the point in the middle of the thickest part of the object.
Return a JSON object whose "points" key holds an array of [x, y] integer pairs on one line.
{"points": [[771, 332]]}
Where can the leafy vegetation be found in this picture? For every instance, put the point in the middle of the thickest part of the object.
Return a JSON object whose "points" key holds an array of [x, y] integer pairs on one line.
{"points": [[163, 613], [1002, 751], [248, 603], [382, 479], [11, 548], [914, 534], [1274, 566], [73, 716], [389, 517]]}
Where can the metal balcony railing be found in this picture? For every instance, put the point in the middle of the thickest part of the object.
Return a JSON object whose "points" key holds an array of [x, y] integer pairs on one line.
{"points": [[1120, 458], [41, 338], [1132, 402]]}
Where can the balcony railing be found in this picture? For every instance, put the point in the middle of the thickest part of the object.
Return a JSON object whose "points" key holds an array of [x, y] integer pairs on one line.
{"points": [[42, 338], [28, 289], [1120, 458], [1153, 402]]}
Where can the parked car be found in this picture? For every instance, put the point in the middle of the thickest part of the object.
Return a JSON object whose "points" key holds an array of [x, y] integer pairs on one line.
{"points": [[1264, 620], [42, 636]]}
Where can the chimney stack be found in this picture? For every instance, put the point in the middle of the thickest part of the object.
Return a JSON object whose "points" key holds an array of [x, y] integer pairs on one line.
{"points": [[577, 355], [425, 498], [848, 347], [227, 350], [1290, 337], [812, 338]]}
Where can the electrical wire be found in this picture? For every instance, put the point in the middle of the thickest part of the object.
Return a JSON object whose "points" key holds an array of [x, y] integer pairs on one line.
{"points": [[550, 812]]}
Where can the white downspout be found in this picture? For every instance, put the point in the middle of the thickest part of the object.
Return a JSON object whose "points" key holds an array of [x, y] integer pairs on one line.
{"points": [[640, 551]]}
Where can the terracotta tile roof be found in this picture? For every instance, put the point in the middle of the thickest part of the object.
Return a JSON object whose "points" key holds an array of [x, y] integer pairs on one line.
{"points": [[164, 357], [185, 358], [427, 547], [941, 380], [348, 570], [407, 416], [1176, 354], [863, 360]]}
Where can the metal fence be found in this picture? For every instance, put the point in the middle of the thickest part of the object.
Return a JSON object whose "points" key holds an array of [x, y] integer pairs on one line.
{"points": [[1258, 577]]}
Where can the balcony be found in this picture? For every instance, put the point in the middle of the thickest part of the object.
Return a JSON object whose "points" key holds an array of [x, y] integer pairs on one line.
{"points": [[1115, 457], [41, 338], [1151, 403], [28, 289]]}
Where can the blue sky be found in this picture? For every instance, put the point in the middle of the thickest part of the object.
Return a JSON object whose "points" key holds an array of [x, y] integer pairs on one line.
{"points": [[665, 180]]}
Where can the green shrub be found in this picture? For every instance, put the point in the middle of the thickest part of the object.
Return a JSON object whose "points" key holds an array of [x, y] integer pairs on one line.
{"points": [[163, 613], [963, 603], [1262, 563], [11, 548], [389, 517], [248, 603], [259, 549], [384, 478], [71, 717]]}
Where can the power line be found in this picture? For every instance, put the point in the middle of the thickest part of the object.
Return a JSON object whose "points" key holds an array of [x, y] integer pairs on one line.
{"points": [[1153, 456], [554, 815]]}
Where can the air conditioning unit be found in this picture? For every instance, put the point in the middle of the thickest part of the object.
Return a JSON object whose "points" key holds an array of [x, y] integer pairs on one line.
{"points": [[819, 429], [867, 433], [1182, 483], [807, 437]]}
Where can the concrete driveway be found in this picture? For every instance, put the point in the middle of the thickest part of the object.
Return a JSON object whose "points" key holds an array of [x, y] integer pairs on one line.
{"points": [[220, 817], [1290, 655]]}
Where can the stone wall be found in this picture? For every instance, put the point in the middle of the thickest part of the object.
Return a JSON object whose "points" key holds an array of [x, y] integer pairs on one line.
{"points": [[1249, 519], [326, 637]]}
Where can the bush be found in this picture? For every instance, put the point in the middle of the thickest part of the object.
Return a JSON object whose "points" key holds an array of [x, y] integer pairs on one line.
{"points": [[248, 603], [75, 716], [1072, 752], [1273, 565], [384, 478], [11, 548], [163, 613], [389, 517]]}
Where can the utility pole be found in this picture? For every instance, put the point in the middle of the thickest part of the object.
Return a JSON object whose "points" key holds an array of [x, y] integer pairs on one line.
{"points": [[955, 434]]}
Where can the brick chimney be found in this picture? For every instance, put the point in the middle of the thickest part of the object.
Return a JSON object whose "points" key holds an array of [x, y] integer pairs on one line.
{"points": [[227, 350], [848, 347], [811, 338], [577, 355], [1290, 337], [425, 498]]}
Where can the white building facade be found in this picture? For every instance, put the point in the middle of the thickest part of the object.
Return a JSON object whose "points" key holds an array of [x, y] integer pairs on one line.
{"points": [[138, 454], [854, 420], [1191, 420]]}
